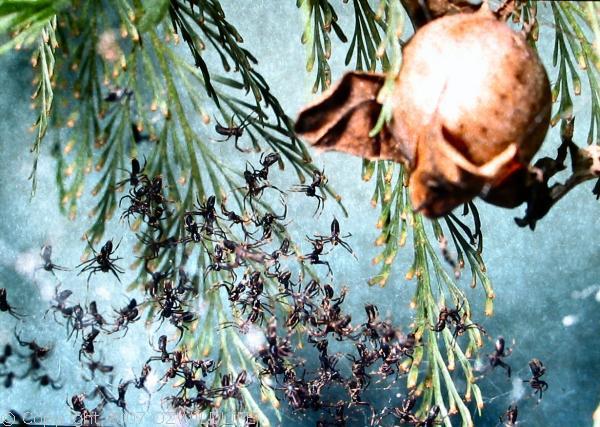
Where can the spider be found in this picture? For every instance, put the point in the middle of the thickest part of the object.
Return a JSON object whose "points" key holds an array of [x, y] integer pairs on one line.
{"points": [[118, 401], [269, 221], [282, 251], [373, 325], [87, 346], [138, 135], [257, 311], [98, 319], [233, 131], [46, 254], [449, 316], [86, 417], [179, 319], [76, 321], [302, 302], [158, 278], [208, 212], [404, 412], [37, 351], [319, 179], [250, 421], [431, 419], [335, 239], [537, 370], [8, 351], [36, 356], [266, 162], [97, 365], [148, 201], [335, 324], [295, 390], [509, 418], [45, 380], [117, 94], [206, 366], [6, 307], [234, 218], [102, 261], [246, 251], [219, 258], [59, 303], [232, 388], [183, 280], [128, 314], [498, 354], [140, 382], [153, 247], [314, 256], [192, 228], [136, 175], [165, 355], [255, 185]]}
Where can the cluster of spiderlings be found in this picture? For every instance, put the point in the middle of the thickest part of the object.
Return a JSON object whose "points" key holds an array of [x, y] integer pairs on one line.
{"points": [[260, 285], [263, 294], [193, 393], [17, 366], [145, 197], [169, 299], [377, 352]]}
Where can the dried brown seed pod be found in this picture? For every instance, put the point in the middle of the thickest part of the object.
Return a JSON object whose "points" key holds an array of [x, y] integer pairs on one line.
{"points": [[471, 107]]}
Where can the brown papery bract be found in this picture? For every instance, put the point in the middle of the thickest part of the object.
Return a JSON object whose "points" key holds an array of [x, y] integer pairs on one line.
{"points": [[471, 107]]}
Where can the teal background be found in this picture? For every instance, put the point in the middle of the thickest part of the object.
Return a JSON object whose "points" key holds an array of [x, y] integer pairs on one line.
{"points": [[539, 277]]}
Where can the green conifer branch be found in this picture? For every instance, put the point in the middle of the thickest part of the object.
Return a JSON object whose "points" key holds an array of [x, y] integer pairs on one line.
{"points": [[570, 48]]}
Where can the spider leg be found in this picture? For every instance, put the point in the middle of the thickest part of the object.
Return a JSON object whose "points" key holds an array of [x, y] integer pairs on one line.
{"points": [[231, 324], [299, 188], [89, 263], [126, 196], [57, 267], [267, 308], [15, 314], [243, 150], [476, 326], [71, 333], [504, 365], [320, 205], [90, 245], [318, 261], [245, 197], [221, 140], [117, 247], [217, 122], [245, 122], [53, 315], [126, 328], [112, 270], [280, 191], [208, 269], [181, 333], [161, 323], [348, 248], [90, 276]]}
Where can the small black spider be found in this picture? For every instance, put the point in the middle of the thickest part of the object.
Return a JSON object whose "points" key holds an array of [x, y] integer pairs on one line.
{"points": [[102, 261]]}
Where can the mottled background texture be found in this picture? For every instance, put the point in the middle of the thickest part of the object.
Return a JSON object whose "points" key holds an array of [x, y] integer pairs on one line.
{"points": [[547, 282]]}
